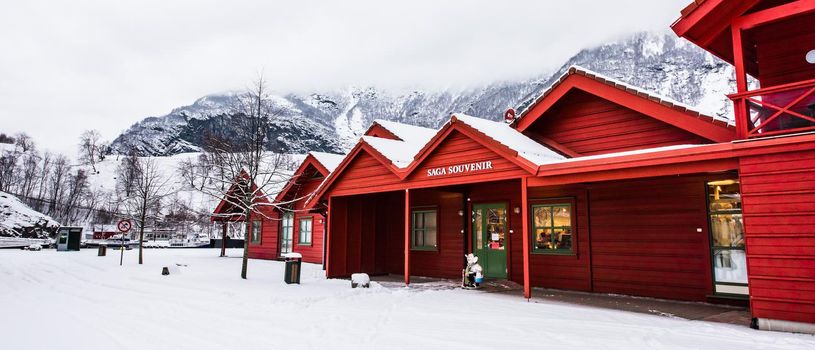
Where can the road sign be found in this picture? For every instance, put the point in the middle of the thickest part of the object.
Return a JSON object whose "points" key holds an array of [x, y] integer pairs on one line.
{"points": [[124, 225]]}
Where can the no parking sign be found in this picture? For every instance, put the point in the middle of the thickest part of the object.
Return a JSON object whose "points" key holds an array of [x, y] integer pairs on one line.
{"points": [[124, 225]]}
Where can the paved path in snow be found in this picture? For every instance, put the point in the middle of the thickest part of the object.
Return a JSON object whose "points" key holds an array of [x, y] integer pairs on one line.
{"points": [[76, 300]]}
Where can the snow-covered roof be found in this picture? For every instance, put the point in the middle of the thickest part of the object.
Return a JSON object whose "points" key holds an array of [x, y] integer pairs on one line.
{"points": [[400, 153], [501, 132], [329, 160], [528, 104], [408, 133]]}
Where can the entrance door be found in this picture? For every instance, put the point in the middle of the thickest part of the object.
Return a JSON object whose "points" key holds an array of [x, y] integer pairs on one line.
{"points": [[489, 238], [286, 233]]}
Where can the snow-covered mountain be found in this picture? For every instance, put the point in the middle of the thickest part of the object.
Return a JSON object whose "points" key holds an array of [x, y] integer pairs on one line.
{"points": [[333, 121]]}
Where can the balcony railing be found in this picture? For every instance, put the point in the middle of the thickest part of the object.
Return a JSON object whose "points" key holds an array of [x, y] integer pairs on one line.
{"points": [[775, 110]]}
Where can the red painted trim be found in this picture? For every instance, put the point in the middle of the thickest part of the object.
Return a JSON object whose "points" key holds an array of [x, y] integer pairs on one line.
{"points": [[525, 235], [688, 121], [693, 14], [327, 237], [705, 158], [407, 236]]}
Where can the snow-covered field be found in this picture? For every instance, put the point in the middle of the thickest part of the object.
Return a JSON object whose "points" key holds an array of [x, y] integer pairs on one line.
{"points": [[76, 300]]}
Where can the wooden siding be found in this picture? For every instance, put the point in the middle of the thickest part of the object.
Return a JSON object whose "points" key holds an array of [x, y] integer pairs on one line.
{"points": [[644, 238], [447, 260], [589, 125], [570, 272], [780, 49], [269, 227], [365, 174], [778, 197], [366, 234]]}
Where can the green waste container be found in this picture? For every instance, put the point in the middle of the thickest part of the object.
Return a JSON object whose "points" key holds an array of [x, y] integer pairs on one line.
{"points": [[293, 262]]}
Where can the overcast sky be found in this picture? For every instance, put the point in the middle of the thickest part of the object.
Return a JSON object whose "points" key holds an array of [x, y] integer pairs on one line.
{"points": [[67, 66]]}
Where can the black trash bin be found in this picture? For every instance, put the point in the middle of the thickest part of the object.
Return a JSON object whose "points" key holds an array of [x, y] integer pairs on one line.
{"points": [[292, 274], [103, 250]]}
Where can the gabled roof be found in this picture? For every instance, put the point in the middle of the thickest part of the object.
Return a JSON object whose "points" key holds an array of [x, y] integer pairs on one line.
{"points": [[662, 108], [324, 163]]}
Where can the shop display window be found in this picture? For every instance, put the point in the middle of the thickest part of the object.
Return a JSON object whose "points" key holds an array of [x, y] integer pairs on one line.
{"points": [[727, 237], [552, 229]]}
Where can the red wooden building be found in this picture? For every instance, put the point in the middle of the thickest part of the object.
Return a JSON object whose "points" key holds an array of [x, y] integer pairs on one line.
{"points": [[289, 226], [599, 186]]}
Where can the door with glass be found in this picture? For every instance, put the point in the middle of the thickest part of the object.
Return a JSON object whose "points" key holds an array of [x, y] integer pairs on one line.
{"points": [[727, 238], [489, 238], [286, 233]]}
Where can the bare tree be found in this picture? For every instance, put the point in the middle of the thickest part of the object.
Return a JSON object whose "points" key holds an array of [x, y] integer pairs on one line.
{"points": [[91, 148], [149, 187], [126, 173], [77, 186], [239, 169], [57, 183]]}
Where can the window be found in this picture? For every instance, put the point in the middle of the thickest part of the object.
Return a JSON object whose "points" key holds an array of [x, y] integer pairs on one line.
{"points": [[727, 237], [255, 232], [552, 229], [287, 226], [305, 231], [424, 230]]}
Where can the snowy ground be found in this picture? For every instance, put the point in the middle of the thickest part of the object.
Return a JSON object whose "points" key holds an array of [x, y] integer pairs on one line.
{"points": [[73, 300]]}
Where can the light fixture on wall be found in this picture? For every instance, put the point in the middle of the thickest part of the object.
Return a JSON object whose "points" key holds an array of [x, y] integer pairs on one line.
{"points": [[811, 57], [461, 213], [517, 210]]}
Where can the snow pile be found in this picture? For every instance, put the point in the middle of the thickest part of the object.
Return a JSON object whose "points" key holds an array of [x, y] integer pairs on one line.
{"points": [[98, 304], [19, 220]]}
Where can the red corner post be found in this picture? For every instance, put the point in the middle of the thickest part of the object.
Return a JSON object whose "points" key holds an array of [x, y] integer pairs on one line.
{"points": [[407, 236], [327, 238], [525, 236]]}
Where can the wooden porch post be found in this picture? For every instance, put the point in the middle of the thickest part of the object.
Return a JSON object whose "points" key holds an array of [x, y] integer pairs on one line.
{"points": [[407, 237], [525, 236], [327, 238], [740, 108], [223, 239]]}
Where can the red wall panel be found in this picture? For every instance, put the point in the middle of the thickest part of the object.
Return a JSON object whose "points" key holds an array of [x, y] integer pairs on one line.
{"points": [[267, 248], [778, 198], [644, 238], [560, 271], [589, 125]]}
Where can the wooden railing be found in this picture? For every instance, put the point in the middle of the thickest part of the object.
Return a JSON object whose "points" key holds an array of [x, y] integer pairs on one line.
{"points": [[775, 110]]}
